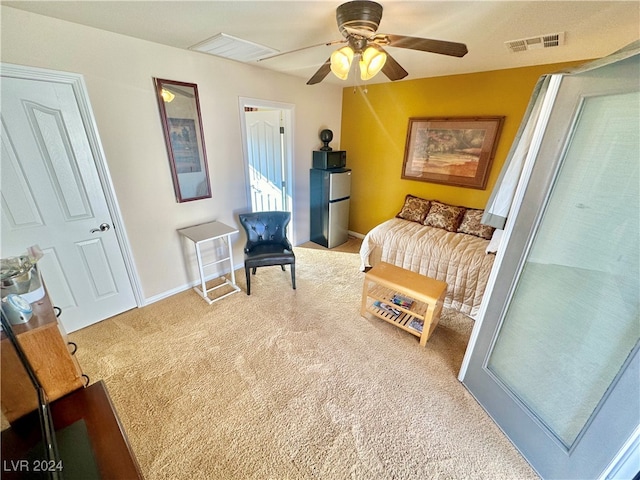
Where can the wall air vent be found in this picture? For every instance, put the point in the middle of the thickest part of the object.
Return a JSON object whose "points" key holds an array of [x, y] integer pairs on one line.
{"points": [[535, 43], [227, 46]]}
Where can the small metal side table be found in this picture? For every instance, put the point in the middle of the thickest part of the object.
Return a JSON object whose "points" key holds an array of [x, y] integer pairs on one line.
{"points": [[210, 232]]}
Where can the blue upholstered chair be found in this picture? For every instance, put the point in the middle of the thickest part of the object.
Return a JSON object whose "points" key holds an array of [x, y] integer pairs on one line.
{"points": [[267, 243]]}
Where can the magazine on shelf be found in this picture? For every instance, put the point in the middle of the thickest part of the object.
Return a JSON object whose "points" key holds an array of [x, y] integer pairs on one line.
{"points": [[417, 324], [402, 301], [386, 308]]}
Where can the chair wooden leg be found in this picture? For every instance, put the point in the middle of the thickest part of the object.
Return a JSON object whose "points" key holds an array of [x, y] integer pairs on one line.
{"points": [[248, 275], [282, 267], [293, 275], [254, 270]]}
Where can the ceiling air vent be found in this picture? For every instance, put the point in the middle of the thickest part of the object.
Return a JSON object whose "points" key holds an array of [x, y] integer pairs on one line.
{"points": [[535, 43], [227, 46]]}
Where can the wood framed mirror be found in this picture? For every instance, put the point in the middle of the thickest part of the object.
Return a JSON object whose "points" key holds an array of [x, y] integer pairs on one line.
{"points": [[182, 124]]}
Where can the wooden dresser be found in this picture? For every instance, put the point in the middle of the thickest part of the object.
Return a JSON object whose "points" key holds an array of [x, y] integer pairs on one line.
{"points": [[71, 405], [50, 355]]}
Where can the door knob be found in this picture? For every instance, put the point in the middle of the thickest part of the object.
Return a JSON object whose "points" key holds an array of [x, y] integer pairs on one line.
{"points": [[102, 228]]}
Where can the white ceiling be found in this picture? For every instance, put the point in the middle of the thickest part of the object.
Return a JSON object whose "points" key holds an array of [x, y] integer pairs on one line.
{"points": [[593, 28]]}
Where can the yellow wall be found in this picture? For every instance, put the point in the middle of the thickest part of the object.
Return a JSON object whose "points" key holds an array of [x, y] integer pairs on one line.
{"points": [[374, 129]]}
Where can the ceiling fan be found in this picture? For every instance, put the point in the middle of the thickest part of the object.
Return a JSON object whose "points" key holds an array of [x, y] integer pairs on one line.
{"points": [[358, 22]]}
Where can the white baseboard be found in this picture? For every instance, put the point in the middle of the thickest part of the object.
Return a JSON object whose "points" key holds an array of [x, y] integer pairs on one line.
{"points": [[182, 288], [185, 287]]}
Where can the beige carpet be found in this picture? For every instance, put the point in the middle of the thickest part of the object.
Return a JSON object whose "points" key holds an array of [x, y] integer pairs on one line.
{"points": [[288, 384]]}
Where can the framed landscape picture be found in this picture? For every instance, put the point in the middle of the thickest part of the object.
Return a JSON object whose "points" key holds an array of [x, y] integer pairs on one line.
{"points": [[184, 143], [452, 151]]}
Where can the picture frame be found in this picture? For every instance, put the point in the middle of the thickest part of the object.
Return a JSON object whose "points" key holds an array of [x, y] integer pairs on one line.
{"points": [[184, 136], [455, 151], [184, 145]]}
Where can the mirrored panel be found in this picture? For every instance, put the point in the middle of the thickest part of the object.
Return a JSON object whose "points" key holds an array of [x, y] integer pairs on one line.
{"points": [[182, 124], [572, 323]]}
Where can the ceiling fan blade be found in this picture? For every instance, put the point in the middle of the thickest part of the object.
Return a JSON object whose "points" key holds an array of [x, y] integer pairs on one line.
{"points": [[392, 69], [322, 72], [326, 44], [442, 47]]}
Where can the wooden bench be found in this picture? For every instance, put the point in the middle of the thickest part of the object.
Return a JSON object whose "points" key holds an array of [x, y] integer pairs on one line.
{"points": [[385, 283]]}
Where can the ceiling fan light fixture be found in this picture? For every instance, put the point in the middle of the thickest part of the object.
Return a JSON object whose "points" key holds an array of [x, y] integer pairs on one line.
{"points": [[341, 62], [358, 21], [371, 62], [166, 95]]}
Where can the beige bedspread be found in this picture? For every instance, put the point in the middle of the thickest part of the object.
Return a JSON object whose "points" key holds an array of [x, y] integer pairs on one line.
{"points": [[455, 258]]}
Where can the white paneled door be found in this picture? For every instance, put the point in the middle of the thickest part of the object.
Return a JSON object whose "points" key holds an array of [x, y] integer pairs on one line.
{"points": [[52, 197], [266, 161]]}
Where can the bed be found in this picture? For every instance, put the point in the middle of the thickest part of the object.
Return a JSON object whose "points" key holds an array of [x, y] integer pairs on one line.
{"points": [[440, 241]]}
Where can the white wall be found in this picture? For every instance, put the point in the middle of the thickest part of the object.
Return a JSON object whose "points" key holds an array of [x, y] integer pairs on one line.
{"points": [[119, 71]]}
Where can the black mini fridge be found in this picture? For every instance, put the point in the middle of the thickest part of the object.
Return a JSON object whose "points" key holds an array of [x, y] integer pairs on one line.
{"points": [[330, 192]]}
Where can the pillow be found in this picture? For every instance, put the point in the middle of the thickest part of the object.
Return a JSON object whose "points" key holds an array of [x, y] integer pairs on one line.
{"points": [[471, 225], [495, 241], [414, 209], [444, 216]]}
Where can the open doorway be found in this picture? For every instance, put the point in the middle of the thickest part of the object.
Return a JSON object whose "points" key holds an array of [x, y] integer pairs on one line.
{"points": [[267, 139]]}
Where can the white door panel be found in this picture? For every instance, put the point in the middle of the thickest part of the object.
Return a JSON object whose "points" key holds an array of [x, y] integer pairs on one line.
{"points": [[265, 160], [57, 284], [19, 207], [52, 197]]}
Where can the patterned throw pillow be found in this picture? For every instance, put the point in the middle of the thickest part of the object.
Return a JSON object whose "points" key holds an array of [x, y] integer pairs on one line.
{"points": [[414, 209], [444, 216], [471, 225]]}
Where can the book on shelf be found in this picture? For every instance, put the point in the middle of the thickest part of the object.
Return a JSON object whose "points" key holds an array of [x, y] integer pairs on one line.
{"points": [[386, 308], [402, 300]]}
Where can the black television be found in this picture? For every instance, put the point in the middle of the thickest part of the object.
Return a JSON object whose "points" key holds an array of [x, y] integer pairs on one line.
{"points": [[32, 448]]}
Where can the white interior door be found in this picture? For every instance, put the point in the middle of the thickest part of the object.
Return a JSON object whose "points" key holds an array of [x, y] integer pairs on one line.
{"points": [[52, 197], [265, 141], [555, 361]]}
